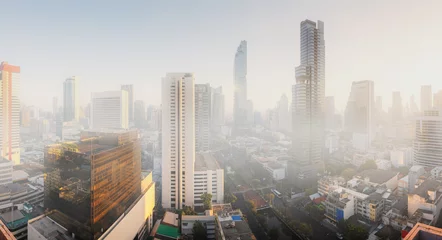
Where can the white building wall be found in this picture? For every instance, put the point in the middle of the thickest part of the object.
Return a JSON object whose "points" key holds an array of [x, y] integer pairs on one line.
{"points": [[109, 110], [178, 140], [209, 181]]}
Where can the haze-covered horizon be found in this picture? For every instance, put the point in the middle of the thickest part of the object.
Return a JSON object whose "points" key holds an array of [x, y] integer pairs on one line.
{"points": [[396, 44]]}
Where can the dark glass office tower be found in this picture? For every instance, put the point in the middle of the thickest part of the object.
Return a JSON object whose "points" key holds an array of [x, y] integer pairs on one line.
{"points": [[93, 181]]}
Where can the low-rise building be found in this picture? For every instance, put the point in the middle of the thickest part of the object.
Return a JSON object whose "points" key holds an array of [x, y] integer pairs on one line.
{"points": [[414, 174], [45, 227], [402, 186], [208, 221], [208, 178], [383, 164], [401, 157], [339, 206], [377, 177], [424, 232], [328, 184], [276, 170], [231, 223], [427, 198]]}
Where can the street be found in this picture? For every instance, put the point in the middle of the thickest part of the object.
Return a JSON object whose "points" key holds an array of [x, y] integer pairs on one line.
{"points": [[258, 231], [319, 232]]}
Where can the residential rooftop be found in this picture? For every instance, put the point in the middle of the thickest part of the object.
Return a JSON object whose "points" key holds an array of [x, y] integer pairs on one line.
{"points": [[428, 185], [378, 176], [206, 161], [50, 229], [423, 232]]}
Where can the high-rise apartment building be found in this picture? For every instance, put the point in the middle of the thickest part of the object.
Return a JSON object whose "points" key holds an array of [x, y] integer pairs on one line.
{"points": [[94, 181], [10, 112], [413, 106], [130, 95], [109, 110], [437, 100], [217, 109], [203, 104], [359, 114], [71, 106], [428, 139], [283, 114], [426, 98], [240, 86], [308, 103], [397, 108], [178, 140], [139, 114]]}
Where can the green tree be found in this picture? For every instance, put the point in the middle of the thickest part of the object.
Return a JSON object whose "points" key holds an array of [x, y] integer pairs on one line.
{"points": [[270, 197], [273, 234], [348, 173], [251, 205], [230, 198], [207, 200], [306, 229], [262, 220], [188, 211], [199, 231], [370, 164], [355, 232]]}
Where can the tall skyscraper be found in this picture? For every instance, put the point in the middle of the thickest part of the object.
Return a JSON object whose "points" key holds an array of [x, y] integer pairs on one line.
{"points": [[397, 108], [413, 106], [54, 106], [71, 106], [240, 86], [10, 112], [202, 116], [428, 139], [359, 114], [94, 181], [217, 109], [426, 98], [307, 102], [130, 94], [109, 110], [283, 114], [139, 114], [178, 140], [437, 100]]}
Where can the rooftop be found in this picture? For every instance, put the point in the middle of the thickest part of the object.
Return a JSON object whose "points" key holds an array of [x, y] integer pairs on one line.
{"points": [[168, 231], [422, 232], [234, 230], [49, 228], [171, 219], [275, 165], [429, 184], [378, 176], [205, 161], [12, 188]]}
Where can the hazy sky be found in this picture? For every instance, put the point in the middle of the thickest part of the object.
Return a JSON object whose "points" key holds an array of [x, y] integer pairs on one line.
{"points": [[395, 43]]}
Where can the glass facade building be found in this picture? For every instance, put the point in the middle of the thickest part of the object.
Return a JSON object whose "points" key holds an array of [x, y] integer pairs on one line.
{"points": [[93, 181]]}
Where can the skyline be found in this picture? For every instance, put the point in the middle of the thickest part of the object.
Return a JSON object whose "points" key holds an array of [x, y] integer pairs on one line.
{"points": [[117, 49]]}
